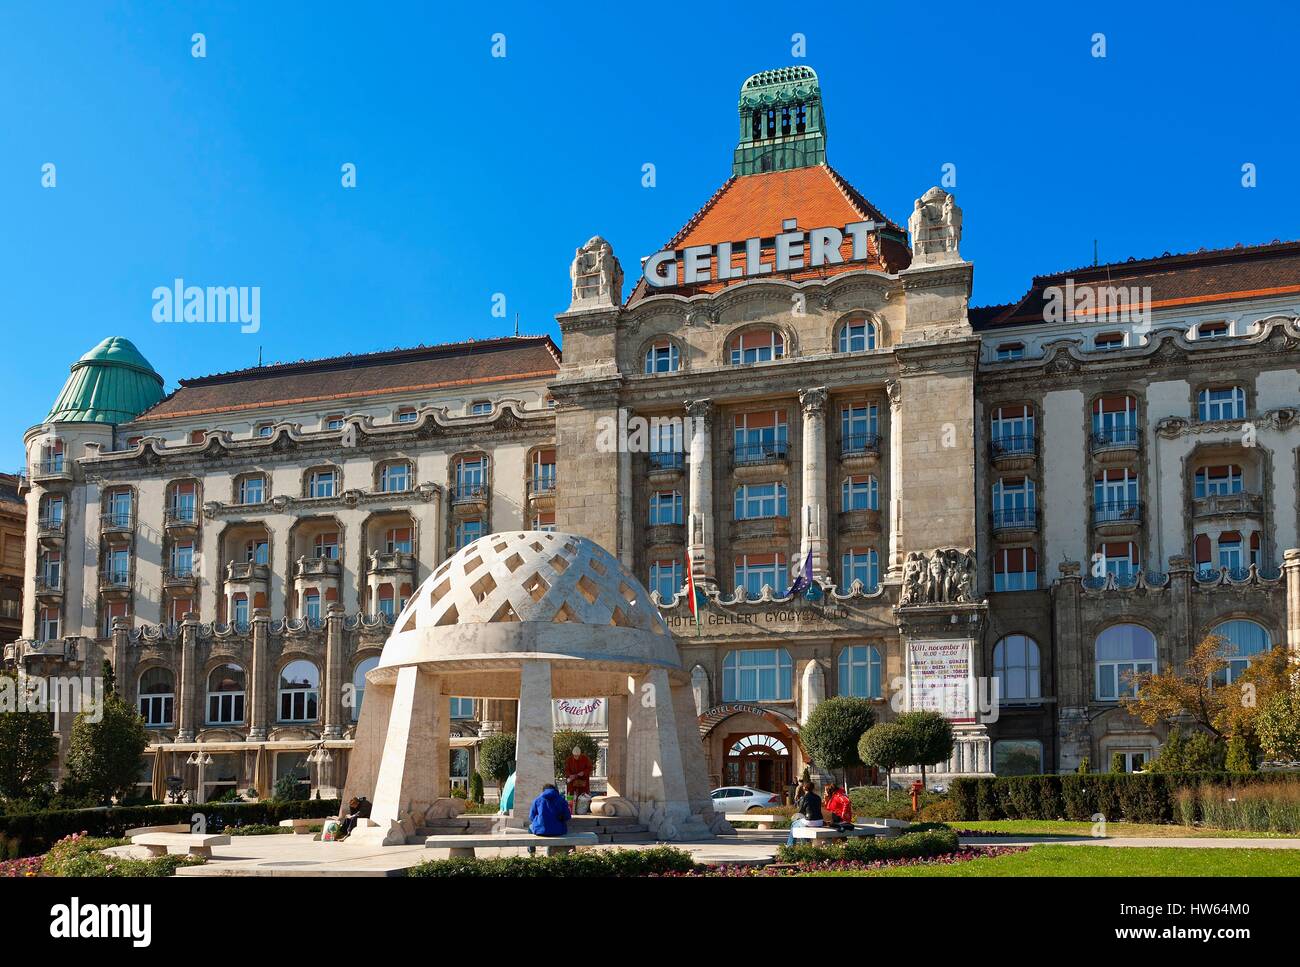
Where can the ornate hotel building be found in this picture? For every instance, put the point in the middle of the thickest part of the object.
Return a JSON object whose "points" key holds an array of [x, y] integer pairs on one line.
{"points": [[1004, 512]]}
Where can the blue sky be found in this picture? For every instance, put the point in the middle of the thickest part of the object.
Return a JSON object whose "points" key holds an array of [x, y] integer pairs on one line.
{"points": [[480, 175]]}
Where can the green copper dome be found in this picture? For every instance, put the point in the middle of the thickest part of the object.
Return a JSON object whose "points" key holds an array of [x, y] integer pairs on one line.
{"points": [[112, 383]]}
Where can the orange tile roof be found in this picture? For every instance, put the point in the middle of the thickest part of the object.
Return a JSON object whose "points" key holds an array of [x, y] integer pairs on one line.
{"points": [[754, 206]]}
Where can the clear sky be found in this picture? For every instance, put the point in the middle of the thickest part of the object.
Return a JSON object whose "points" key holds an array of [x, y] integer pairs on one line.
{"points": [[479, 175]]}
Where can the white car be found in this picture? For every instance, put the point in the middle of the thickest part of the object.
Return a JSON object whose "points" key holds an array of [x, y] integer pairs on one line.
{"points": [[739, 799]]}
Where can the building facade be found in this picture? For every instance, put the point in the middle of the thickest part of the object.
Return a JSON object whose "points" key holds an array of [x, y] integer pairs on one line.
{"points": [[876, 489], [13, 538]]}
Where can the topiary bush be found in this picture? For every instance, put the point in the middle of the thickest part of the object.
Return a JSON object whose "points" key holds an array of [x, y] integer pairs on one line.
{"points": [[476, 787], [496, 756]]}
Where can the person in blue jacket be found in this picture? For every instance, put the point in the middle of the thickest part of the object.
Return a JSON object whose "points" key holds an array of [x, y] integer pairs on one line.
{"points": [[550, 813]]}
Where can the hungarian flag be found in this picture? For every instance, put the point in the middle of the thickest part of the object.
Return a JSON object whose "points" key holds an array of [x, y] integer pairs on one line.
{"points": [[694, 596]]}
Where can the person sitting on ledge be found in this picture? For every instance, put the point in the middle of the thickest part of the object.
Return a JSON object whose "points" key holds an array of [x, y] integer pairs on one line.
{"points": [[839, 806], [358, 808], [550, 813], [808, 809]]}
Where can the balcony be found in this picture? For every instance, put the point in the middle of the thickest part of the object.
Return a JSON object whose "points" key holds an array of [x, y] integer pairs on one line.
{"points": [[180, 576], [1015, 522], [860, 523], [391, 563], [1117, 518], [760, 461], [117, 522], [52, 471], [859, 451], [51, 530], [665, 535], [1228, 505], [665, 465], [1116, 445], [242, 572], [1013, 451], [49, 586], [182, 519], [760, 530], [470, 497], [317, 567], [541, 491], [116, 581]]}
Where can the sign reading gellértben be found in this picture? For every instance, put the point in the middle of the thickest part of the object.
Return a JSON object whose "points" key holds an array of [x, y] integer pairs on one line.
{"points": [[792, 249]]}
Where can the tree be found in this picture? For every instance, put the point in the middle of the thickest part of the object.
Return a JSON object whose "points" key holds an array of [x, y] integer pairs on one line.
{"points": [[1198, 752], [831, 734], [104, 755], [1198, 690], [1241, 757], [566, 739], [476, 787], [931, 737], [1278, 725], [886, 746], [27, 747], [496, 756], [1117, 762]]}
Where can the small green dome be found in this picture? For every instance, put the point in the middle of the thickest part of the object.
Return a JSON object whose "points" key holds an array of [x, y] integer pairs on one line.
{"points": [[113, 383]]}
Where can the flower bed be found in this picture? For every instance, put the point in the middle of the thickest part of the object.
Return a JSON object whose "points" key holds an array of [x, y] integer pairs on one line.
{"points": [[960, 855]]}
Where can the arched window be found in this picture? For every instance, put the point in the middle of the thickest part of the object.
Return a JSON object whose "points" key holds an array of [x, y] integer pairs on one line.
{"points": [[299, 692], [662, 357], [757, 675], [1122, 653], [1016, 666], [860, 672], [226, 694], [860, 492], [1246, 640], [359, 683], [856, 335], [861, 564], [157, 698], [1017, 757], [755, 346]]}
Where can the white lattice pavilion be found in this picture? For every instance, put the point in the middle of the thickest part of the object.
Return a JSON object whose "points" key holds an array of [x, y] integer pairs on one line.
{"points": [[533, 616]]}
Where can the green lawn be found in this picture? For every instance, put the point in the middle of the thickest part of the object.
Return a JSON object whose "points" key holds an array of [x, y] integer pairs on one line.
{"points": [[1048, 827], [1061, 860]]}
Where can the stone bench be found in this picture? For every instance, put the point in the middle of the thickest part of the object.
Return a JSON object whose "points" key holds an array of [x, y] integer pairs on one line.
{"points": [[764, 820], [830, 832], [193, 844], [885, 828], [303, 827], [463, 846], [141, 830]]}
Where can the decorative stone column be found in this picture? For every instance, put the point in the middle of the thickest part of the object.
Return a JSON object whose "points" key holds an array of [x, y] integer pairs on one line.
{"points": [[1072, 737], [655, 773], [616, 753], [334, 646], [895, 390], [699, 537], [261, 696], [406, 785], [534, 744], [185, 687], [1291, 568], [813, 529]]}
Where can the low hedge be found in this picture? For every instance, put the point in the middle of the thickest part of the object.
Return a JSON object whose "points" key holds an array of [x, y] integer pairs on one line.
{"points": [[27, 834], [1141, 797], [575, 865], [918, 842], [82, 856]]}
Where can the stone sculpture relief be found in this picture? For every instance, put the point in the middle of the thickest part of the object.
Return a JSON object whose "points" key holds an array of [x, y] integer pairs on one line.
{"points": [[935, 228], [944, 576], [596, 274]]}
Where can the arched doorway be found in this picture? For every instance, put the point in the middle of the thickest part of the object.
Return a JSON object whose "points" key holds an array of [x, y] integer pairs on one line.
{"points": [[758, 760]]}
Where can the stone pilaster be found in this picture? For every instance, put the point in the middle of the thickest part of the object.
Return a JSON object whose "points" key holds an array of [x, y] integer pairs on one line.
{"points": [[261, 696], [895, 570], [1071, 689], [813, 516], [699, 537], [1291, 568], [333, 698], [616, 754], [186, 691]]}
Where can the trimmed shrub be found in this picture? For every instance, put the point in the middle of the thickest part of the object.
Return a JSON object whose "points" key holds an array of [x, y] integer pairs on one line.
{"points": [[917, 842], [475, 787], [576, 865], [871, 802], [496, 756], [79, 855], [32, 833]]}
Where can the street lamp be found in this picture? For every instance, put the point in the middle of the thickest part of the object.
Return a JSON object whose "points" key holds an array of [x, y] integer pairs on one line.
{"points": [[200, 759]]}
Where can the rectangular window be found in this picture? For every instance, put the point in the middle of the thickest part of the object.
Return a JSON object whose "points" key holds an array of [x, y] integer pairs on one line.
{"points": [[544, 521], [861, 564], [257, 552], [1108, 340], [860, 492], [1015, 569], [543, 472], [48, 628], [1221, 403], [1011, 429], [753, 571], [758, 501], [397, 540], [264, 430], [480, 408], [116, 609], [406, 414], [666, 577], [467, 532], [251, 490], [665, 508], [1011, 351], [759, 437], [462, 708], [182, 564], [326, 546], [240, 617], [321, 483], [395, 478], [1218, 481], [859, 428], [334, 422], [1120, 559], [1213, 330]]}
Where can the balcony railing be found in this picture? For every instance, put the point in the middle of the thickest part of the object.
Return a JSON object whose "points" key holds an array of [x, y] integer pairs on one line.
{"points": [[1116, 438], [1013, 445], [666, 460], [51, 467], [181, 572], [49, 584], [114, 577], [50, 526], [748, 454], [860, 445], [1117, 512], [542, 485], [1228, 505], [181, 515], [1015, 518], [466, 493], [117, 520]]}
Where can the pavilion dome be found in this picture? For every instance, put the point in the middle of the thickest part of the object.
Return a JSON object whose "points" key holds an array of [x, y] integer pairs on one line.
{"points": [[530, 592], [112, 383]]}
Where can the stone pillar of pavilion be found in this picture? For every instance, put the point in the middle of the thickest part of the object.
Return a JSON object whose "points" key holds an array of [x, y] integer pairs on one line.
{"points": [[1291, 568], [616, 753], [813, 528], [699, 535], [408, 781], [534, 743]]}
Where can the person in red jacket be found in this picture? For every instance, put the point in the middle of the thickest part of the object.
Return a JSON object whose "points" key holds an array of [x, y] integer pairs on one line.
{"points": [[838, 805]]}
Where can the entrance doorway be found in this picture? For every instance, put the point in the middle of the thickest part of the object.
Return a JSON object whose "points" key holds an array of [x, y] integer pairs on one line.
{"points": [[759, 760]]}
